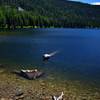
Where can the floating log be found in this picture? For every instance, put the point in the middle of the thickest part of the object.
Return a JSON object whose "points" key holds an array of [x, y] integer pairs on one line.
{"points": [[49, 55], [46, 57]]}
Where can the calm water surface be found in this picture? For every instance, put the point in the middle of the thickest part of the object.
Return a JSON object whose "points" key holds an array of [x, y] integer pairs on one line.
{"points": [[78, 58]]}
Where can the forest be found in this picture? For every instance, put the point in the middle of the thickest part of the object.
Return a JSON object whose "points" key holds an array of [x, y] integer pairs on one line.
{"points": [[51, 13]]}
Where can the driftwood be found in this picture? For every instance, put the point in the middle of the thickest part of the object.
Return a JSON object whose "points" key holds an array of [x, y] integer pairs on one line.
{"points": [[30, 74], [58, 98]]}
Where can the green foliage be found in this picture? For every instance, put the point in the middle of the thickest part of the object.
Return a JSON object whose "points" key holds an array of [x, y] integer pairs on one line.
{"points": [[51, 13]]}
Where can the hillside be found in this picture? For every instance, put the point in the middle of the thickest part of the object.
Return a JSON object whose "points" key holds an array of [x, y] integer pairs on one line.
{"points": [[51, 13]]}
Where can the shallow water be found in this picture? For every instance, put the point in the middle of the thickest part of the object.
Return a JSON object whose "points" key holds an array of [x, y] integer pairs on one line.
{"points": [[78, 58]]}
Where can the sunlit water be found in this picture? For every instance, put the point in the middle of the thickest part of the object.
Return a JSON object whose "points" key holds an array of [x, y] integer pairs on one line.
{"points": [[78, 58]]}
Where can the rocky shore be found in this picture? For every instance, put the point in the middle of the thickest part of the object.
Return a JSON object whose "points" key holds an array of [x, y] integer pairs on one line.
{"points": [[13, 87]]}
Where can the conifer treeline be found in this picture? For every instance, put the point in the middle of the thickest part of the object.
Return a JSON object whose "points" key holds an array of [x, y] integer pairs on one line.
{"points": [[51, 13]]}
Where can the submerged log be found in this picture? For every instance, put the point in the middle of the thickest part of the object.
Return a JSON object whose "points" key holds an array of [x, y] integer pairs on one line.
{"points": [[31, 74]]}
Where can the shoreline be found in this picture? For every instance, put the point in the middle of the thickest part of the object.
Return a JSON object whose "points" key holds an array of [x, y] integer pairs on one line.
{"points": [[30, 27], [42, 89]]}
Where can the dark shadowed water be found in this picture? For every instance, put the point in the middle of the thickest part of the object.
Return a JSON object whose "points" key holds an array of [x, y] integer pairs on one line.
{"points": [[78, 58]]}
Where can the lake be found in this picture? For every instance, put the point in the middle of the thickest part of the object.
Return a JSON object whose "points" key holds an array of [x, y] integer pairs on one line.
{"points": [[78, 58]]}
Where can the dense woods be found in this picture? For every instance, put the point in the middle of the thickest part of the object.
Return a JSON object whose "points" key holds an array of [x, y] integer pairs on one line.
{"points": [[51, 13]]}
